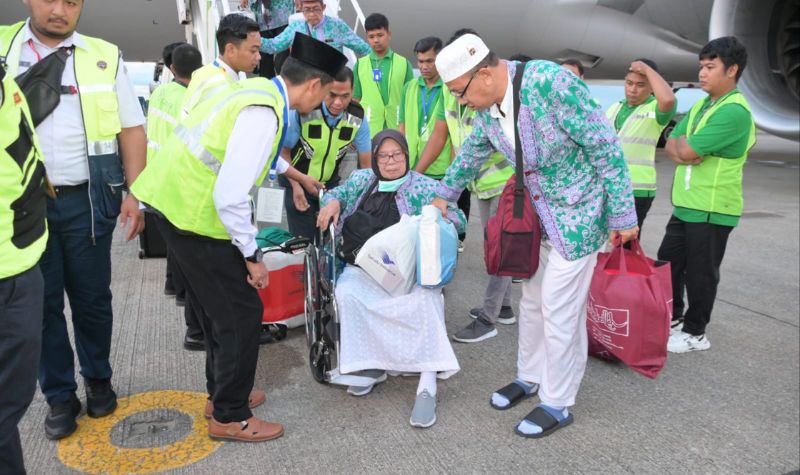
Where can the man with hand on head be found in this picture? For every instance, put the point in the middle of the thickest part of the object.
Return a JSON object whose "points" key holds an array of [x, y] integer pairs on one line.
{"points": [[224, 147]]}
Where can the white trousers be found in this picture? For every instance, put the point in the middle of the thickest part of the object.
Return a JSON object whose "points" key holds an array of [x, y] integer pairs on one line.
{"points": [[552, 326]]}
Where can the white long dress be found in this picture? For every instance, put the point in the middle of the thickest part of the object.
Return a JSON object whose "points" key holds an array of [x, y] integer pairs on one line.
{"points": [[404, 334]]}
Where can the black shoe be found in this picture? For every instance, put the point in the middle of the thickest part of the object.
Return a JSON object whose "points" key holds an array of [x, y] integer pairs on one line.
{"points": [[180, 300], [169, 290], [194, 344], [101, 400], [60, 420], [265, 337]]}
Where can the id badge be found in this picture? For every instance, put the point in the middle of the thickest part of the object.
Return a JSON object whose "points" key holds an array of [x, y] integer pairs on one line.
{"points": [[377, 75], [270, 203]]}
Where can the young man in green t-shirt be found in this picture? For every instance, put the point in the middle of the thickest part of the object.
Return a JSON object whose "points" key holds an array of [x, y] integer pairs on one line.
{"points": [[380, 76], [710, 146], [639, 119]]}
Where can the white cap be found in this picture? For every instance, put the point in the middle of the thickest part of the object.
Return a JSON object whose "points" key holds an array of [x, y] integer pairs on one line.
{"points": [[460, 56]]}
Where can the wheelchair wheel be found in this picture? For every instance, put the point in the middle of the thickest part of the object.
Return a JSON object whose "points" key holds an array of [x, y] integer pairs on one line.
{"points": [[319, 361], [312, 308]]}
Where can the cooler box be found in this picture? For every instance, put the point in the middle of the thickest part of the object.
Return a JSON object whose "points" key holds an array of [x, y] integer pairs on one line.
{"points": [[284, 297]]}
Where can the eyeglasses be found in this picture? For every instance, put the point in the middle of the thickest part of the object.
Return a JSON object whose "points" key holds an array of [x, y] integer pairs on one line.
{"points": [[461, 94], [312, 10], [397, 156]]}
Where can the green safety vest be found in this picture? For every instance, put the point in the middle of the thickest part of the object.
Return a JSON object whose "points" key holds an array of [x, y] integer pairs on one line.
{"points": [[23, 234], [416, 140], [496, 171], [96, 75], [163, 114], [639, 136], [321, 146], [715, 185], [181, 184], [206, 82], [382, 115]]}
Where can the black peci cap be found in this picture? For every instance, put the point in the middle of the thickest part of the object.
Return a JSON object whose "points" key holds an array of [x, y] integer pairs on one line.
{"points": [[317, 54]]}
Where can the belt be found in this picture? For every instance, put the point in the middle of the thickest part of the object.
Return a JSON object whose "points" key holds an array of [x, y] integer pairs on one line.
{"points": [[67, 189]]}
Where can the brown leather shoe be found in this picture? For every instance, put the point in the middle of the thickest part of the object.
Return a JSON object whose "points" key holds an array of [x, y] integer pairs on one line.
{"points": [[257, 398], [251, 430]]}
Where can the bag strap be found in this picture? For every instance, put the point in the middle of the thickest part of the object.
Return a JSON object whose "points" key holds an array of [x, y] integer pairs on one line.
{"points": [[366, 194], [519, 186]]}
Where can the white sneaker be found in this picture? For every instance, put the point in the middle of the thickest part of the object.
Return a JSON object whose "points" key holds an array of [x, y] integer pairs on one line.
{"points": [[460, 246], [676, 326], [684, 342]]}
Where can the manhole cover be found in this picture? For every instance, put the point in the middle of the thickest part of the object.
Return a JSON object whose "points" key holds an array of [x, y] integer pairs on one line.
{"points": [[153, 428]]}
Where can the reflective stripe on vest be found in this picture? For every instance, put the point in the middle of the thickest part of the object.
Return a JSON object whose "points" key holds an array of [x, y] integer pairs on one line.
{"points": [[206, 83], [416, 140], [639, 136], [23, 235], [180, 182], [382, 115], [162, 115], [494, 174], [715, 185], [325, 151]]}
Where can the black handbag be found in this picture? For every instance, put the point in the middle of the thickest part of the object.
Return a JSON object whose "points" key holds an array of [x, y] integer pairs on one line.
{"points": [[359, 227]]}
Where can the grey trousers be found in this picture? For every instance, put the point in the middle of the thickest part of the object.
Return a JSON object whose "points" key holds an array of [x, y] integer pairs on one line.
{"points": [[498, 291]]}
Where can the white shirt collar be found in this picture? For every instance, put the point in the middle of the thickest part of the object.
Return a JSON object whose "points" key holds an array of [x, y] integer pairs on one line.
{"points": [[73, 39], [285, 91], [507, 106], [233, 74]]}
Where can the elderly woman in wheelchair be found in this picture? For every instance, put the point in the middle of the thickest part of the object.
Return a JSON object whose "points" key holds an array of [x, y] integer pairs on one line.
{"points": [[379, 333]]}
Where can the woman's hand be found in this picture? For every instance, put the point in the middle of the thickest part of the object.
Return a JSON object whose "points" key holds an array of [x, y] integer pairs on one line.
{"points": [[624, 235], [328, 212]]}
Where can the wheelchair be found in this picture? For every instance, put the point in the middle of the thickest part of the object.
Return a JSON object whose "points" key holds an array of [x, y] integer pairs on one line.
{"points": [[321, 269]]}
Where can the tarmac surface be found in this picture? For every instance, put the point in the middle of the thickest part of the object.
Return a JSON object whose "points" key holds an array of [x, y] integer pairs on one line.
{"points": [[732, 409]]}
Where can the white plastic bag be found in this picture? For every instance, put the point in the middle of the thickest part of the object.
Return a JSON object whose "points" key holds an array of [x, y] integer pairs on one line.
{"points": [[437, 249], [390, 258]]}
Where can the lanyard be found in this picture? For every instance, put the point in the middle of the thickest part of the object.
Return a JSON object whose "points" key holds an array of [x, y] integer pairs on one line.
{"points": [[33, 48], [272, 173], [427, 99]]}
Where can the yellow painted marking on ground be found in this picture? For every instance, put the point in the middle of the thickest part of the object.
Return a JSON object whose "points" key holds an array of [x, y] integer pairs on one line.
{"points": [[90, 449]]}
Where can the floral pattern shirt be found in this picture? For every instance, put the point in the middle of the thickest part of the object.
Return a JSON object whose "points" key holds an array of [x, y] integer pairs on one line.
{"points": [[412, 195], [279, 13], [574, 167], [331, 30]]}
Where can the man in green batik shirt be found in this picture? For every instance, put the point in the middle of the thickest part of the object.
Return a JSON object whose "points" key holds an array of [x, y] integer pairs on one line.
{"points": [[319, 26], [710, 146], [380, 77]]}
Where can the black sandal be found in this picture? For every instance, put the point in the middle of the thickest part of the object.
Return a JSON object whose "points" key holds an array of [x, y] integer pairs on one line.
{"points": [[546, 421], [514, 393]]}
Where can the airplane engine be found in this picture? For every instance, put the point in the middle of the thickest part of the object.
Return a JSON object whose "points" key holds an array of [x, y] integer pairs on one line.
{"points": [[771, 81]]}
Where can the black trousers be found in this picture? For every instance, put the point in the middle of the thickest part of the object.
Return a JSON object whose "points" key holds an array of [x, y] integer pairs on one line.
{"points": [[464, 204], [695, 252], [21, 299], [270, 65], [216, 278], [192, 308], [643, 204]]}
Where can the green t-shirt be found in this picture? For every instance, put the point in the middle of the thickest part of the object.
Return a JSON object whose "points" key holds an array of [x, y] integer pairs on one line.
{"points": [[626, 110], [385, 64], [726, 135], [432, 96]]}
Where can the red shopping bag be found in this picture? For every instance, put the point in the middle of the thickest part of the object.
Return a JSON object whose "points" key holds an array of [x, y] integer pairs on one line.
{"points": [[629, 309]]}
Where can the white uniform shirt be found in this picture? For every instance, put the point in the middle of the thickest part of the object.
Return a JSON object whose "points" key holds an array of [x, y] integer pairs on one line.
{"points": [[61, 134], [506, 117], [248, 151]]}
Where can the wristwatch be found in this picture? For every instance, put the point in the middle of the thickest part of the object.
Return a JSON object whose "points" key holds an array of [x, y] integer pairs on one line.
{"points": [[257, 257]]}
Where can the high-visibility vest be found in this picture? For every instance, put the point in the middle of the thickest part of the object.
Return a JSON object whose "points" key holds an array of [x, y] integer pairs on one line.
{"points": [[382, 115], [96, 75], [163, 113], [416, 139], [321, 147], [715, 185], [23, 206], [180, 181], [639, 136], [496, 171], [206, 82]]}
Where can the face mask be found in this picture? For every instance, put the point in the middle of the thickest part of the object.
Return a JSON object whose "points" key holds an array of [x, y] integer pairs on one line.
{"points": [[392, 185]]}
